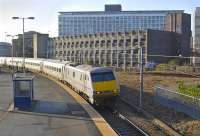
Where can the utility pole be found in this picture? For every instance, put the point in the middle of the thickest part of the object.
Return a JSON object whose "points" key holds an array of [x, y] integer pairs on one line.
{"points": [[12, 36], [23, 38], [141, 68]]}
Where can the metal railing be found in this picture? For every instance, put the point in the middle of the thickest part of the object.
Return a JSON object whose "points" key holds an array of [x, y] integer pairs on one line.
{"points": [[178, 101]]}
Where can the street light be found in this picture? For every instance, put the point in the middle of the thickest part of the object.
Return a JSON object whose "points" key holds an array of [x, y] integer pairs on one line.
{"points": [[5, 35], [12, 36], [141, 68], [23, 31]]}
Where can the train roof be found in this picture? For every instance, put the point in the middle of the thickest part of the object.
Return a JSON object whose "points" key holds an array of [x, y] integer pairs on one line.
{"points": [[92, 69], [57, 61]]}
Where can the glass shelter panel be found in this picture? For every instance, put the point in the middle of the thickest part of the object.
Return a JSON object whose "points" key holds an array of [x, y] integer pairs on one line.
{"points": [[23, 88]]}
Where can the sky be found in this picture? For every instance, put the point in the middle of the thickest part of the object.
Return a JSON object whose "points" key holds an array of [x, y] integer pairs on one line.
{"points": [[46, 12]]}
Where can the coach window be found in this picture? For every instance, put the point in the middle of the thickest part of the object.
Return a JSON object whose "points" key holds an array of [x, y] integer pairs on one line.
{"points": [[73, 74], [81, 77]]}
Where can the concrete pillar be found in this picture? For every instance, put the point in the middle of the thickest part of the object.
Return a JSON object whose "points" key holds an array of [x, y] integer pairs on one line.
{"points": [[62, 48], [83, 56], [88, 55], [124, 52], [94, 56], [99, 56], [99, 51], [111, 52], [105, 57], [124, 59], [70, 46], [117, 50], [131, 50]]}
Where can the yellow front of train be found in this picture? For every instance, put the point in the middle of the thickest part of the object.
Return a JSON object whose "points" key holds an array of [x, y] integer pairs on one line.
{"points": [[105, 86]]}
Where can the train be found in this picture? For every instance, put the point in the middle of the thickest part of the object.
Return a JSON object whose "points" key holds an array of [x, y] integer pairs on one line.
{"points": [[98, 85]]}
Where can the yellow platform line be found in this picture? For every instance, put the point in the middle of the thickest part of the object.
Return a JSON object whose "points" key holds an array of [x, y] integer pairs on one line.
{"points": [[104, 128], [11, 107], [4, 115]]}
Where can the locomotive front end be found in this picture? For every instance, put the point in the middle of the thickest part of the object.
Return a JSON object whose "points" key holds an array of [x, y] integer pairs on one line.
{"points": [[105, 86]]}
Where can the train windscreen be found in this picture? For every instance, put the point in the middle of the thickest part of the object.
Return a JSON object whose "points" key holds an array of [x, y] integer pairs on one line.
{"points": [[106, 76]]}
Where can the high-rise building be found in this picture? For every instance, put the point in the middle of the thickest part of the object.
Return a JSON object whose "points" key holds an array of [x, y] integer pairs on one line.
{"points": [[5, 49], [180, 23], [28, 44], [35, 45], [40, 45], [196, 37], [197, 29], [113, 19]]}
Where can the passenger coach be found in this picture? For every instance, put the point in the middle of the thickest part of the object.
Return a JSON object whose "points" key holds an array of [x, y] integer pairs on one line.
{"points": [[98, 85]]}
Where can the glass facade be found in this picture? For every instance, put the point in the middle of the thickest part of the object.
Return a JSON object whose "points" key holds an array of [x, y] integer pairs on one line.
{"points": [[77, 23]]}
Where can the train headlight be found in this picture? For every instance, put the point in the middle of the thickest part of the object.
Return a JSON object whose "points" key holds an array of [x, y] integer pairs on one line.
{"points": [[97, 92]]}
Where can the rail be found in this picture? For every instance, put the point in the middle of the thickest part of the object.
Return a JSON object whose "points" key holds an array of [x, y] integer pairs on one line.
{"points": [[120, 123], [127, 120], [160, 124]]}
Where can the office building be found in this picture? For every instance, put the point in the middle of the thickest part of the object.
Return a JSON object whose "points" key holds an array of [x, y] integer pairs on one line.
{"points": [[196, 37], [40, 45], [180, 23], [35, 45], [113, 19], [5, 49]]}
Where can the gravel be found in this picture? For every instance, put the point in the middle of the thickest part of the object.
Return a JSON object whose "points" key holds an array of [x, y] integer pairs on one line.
{"points": [[129, 83]]}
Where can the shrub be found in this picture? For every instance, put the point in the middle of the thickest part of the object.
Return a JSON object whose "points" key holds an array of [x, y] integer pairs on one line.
{"points": [[162, 67], [174, 62], [189, 89]]}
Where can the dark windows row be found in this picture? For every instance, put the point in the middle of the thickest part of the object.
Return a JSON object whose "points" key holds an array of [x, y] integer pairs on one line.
{"points": [[53, 68]]}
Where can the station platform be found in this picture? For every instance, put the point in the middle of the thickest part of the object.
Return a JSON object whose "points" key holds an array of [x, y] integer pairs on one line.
{"points": [[54, 112]]}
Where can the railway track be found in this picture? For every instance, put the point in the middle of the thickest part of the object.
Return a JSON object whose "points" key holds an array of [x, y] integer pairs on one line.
{"points": [[180, 74], [167, 130], [121, 124]]}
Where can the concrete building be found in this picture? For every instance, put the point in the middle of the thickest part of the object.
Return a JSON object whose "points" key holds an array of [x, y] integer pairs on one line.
{"points": [[5, 49], [196, 37], [35, 45], [28, 45], [40, 45], [113, 19], [50, 49], [180, 23], [119, 50]]}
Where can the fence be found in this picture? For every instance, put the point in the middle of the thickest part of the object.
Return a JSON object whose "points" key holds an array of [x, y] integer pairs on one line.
{"points": [[180, 102]]}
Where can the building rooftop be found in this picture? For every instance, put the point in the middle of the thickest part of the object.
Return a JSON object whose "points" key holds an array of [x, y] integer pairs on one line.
{"points": [[5, 44], [121, 12]]}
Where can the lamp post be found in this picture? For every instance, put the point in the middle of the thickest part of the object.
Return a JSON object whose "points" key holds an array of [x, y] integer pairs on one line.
{"points": [[23, 18], [5, 35], [12, 36], [141, 68]]}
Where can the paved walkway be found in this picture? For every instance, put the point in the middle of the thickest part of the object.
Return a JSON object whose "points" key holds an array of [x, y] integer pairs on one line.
{"points": [[55, 112]]}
